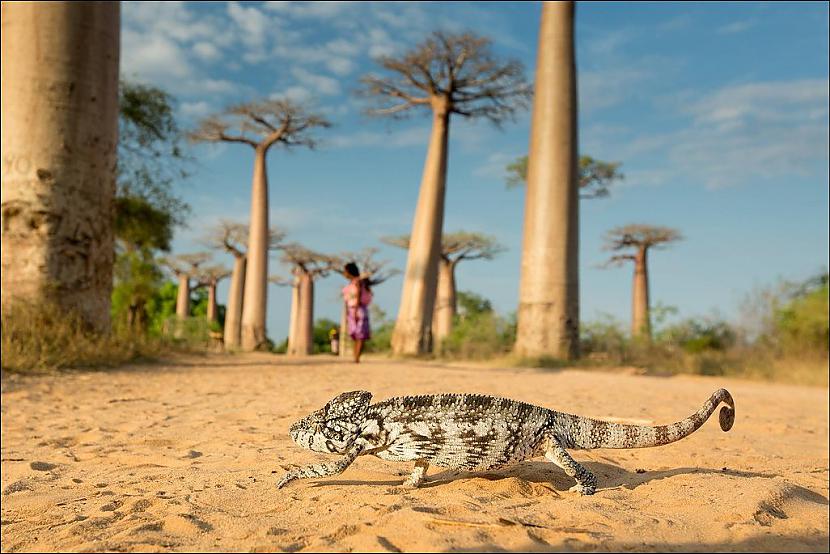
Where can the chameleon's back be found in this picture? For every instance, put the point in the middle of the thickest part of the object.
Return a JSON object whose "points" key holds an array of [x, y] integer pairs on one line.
{"points": [[460, 431]]}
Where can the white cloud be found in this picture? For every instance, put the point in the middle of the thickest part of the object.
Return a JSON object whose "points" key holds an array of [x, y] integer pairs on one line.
{"points": [[252, 22], [413, 136], [736, 27], [766, 102], [153, 57], [320, 10], [195, 109], [609, 86], [380, 43], [206, 51], [296, 93], [742, 133], [494, 166], [340, 66], [319, 83]]}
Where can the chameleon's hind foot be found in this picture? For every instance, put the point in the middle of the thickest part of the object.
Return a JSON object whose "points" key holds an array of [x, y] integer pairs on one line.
{"points": [[584, 489]]}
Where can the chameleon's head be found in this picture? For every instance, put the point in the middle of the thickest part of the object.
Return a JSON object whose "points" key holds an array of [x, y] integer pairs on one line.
{"points": [[335, 426]]}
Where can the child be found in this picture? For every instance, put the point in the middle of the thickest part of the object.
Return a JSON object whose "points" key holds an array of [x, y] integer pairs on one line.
{"points": [[357, 295], [334, 339]]}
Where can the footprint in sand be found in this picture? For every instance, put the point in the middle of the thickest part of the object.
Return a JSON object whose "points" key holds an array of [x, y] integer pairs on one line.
{"points": [[42, 466]]}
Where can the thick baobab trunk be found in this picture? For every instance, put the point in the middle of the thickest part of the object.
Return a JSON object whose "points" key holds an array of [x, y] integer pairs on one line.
{"points": [[445, 304], [345, 340], [640, 320], [412, 333], [211, 305], [183, 297], [233, 315], [256, 275], [304, 343], [548, 317], [293, 319], [59, 139]]}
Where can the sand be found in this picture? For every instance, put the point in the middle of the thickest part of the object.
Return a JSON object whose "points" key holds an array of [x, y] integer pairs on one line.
{"points": [[185, 455]]}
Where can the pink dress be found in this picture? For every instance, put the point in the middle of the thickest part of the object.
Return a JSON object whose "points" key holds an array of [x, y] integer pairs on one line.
{"points": [[357, 312]]}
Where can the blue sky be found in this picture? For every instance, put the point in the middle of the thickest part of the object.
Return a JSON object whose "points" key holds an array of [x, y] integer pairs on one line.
{"points": [[718, 113]]}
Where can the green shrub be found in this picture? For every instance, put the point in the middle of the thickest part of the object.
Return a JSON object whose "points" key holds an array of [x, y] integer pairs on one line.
{"points": [[478, 332], [322, 342], [696, 336]]}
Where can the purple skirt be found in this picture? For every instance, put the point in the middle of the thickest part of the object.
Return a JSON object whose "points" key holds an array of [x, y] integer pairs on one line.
{"points": [[357, 319]]}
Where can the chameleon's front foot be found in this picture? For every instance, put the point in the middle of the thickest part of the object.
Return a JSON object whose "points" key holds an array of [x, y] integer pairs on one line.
{"points": [[287, 478]]}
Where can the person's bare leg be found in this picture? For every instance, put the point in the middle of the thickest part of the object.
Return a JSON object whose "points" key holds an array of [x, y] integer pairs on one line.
{"points": [[358, 349]]}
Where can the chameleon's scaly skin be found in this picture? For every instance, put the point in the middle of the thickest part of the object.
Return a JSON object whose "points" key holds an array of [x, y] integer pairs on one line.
{"points": [[473, 432]]}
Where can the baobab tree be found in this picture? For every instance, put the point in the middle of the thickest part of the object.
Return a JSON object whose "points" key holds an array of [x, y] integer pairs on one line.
{"points": [[306, 267], [448, 74], [455, 248], [375, 271], [231, 237], [209, 277], [638, 239], [548, 314], [185, 267], [59, 143], [595, 176], [260, 125]]}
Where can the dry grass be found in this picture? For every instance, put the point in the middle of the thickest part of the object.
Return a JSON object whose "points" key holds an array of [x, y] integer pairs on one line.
{"points": [[807, 369], [40, 338]]}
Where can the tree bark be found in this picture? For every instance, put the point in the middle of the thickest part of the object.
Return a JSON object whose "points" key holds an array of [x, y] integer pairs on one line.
{"points": [[59, 140], [233, 315], [256, 277], [304, 344], [548, 316], [445, 302], [640, 317], [412, 333], [345, 339], [183, 297], [211, 306], [294, 318]]}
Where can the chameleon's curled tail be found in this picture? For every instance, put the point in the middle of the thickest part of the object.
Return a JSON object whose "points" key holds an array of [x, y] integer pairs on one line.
{"points": [[592, 433]]}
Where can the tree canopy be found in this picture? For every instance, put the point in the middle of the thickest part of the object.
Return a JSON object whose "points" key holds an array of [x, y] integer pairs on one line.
{"points": [[458, 69], [461, 245], [637, 237], [376, 271], [595, 176], [233, 237], [151, 159], [261, 124]]}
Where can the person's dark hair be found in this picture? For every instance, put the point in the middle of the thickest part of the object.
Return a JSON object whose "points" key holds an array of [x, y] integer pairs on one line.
{"points": [[351, 269]]}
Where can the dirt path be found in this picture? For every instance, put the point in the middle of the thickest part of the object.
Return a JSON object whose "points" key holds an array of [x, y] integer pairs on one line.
{"points": [[185, 457]]}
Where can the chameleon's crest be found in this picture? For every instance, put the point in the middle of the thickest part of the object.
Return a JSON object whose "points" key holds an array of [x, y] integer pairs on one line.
{"points": [[335, 427]]}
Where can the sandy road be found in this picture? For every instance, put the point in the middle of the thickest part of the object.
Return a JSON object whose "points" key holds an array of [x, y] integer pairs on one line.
{"points": [[185, 455]]}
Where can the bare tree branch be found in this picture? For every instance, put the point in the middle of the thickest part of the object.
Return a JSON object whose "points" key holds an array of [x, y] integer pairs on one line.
{"points": [[459, 67], [233, 237], [373, 270], [211, 275], [307, 261], [185, 264], [261, 124], [639, 236], [461, 245]]}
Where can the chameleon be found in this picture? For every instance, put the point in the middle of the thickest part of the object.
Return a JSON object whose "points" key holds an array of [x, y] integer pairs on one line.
{"points": [[473, 432]]}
